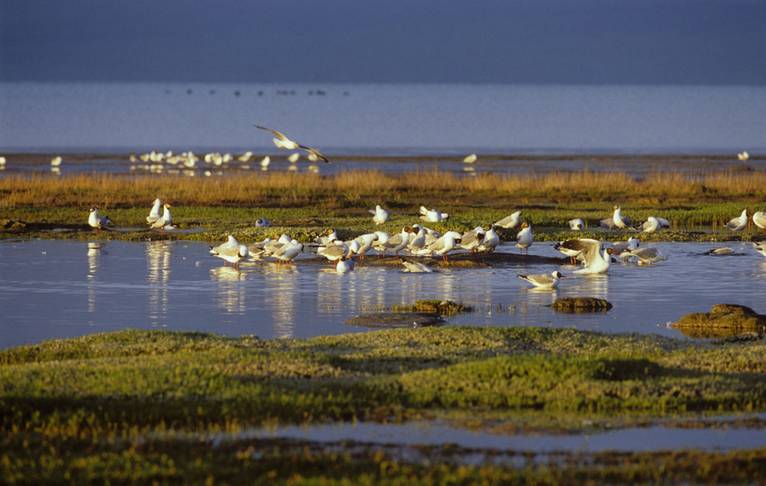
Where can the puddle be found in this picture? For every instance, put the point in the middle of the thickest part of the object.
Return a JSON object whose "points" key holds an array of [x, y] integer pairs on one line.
{"points": [[55, 289], [632, 439]]}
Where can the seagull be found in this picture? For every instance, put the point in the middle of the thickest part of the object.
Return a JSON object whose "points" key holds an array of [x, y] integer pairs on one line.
{"points": [[759, 219], [265, 162], [418, 241], [2, 162], [651, 225], [379, 245], [344, 265], [398, 241], [760, 247], [165, 221], [442, 246], [525, 237], [97, 221], [245, 157], [56, 161], [365, 243], [281, 141], [470, 240], [470, 159], [595, 259], [256, 250], [576, 224], [490, 242], [288, 251], [329, 236], [432, 215], [268, 246], [509, 222], [738, 224], [571, 248], [293, 158], [543, 281], [154, 214], [335, 251], [743, 156], [720, 251], [621, 246], [262, 223], [415, 267], [231, 251], [380, 215], [431, 235], [618, 219], [645, 256]]}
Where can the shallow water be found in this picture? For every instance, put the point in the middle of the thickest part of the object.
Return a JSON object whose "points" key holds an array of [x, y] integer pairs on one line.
{"points": [[56, 289], [631, 439]]}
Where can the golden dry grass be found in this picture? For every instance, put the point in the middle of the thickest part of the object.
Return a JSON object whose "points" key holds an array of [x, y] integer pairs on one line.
{"points": [[286, 189]]}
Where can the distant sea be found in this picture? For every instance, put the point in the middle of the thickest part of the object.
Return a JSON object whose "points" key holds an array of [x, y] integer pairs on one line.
{"points": [[383, 119]]}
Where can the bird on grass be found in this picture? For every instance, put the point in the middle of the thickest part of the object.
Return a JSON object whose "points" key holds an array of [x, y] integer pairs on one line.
{"points": [[95, 220], [509, 222], [154, 213], [432, 215], [739, 223], [380, 215], [165, 221], [576, 224]]}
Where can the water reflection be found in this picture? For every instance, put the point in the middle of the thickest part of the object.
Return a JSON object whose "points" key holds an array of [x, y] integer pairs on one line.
{"points": [[94, 255], [231, 293], [158, 276], [281, 282]]}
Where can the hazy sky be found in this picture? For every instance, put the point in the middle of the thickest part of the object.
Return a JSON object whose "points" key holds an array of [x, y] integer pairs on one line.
{"points": [[494, 41]]}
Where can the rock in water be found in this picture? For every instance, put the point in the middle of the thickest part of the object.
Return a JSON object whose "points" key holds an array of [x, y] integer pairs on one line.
{"points": [[722, 320], [581, 304]]}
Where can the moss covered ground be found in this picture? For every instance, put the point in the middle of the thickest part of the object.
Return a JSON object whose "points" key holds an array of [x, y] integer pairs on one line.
{"points": [[140, 406]]}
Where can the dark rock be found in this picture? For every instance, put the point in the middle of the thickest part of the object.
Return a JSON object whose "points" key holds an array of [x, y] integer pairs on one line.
{"points": [[581, 304], [396, 319], [442, 307]]}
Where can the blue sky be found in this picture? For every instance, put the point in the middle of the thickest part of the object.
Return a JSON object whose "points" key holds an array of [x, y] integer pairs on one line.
{"points": [[717, 42]]}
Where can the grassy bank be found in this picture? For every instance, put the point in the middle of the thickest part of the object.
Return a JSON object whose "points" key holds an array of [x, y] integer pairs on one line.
{"points": [[305, 205], [103, 406]]}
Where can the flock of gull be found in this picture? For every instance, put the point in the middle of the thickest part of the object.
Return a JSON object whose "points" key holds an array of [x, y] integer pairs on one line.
{"points": [[416, 244]]}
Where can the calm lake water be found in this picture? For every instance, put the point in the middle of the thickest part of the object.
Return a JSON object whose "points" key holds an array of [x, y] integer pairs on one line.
{"points": [[383, 118], [56, 289]]}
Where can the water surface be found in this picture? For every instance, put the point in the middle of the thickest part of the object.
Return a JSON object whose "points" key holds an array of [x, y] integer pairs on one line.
{"points": [[57, 288]]}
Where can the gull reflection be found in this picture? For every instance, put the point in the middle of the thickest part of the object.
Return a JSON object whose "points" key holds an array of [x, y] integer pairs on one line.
{"points": [[158, 275], [282, 280], [330, 289], [231, 289], [94, 255], [592, 285]]}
